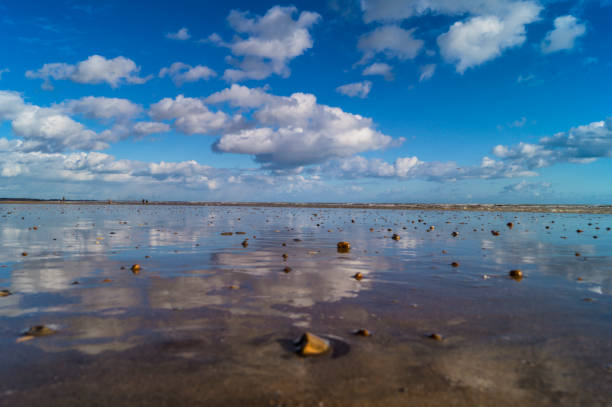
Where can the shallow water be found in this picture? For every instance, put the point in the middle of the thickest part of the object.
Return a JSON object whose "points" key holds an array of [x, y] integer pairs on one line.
{"points": [[210, 322]]}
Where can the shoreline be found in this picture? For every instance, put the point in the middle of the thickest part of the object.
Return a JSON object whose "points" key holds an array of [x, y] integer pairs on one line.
{"points": [[534, 208]]}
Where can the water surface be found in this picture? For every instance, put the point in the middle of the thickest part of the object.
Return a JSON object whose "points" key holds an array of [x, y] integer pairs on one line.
{"points": [[208, 321]]}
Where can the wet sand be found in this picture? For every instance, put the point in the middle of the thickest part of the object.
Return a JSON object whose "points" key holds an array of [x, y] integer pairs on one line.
{"points": [[208, 321]]}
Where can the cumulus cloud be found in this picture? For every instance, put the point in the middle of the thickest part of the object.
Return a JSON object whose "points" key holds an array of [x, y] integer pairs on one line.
{"points": [[287, 132], [379, 68], [189, 115], [564, 35], [142, 129], [181, 73], [390, 40], [535, 188], [264, 45], [394, 10], [427, 72], [357, 89], [413, 168], [181, 35], [101, 108], [482, 38], [94, 70], [582, 144]]}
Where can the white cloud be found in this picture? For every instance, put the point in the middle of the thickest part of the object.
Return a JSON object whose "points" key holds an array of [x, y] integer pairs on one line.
{"points": [[394, 10], [189, 115], [270, 42], [141, 129], [482, 38], [287, 132], [181, 73], [535, 188], [526, 78], [101, 108], [427, 72], [582, 144], [181, 35], [3, 71], [357, 89], [94, 70], [563, 37], [390, 40], [379, 68]]}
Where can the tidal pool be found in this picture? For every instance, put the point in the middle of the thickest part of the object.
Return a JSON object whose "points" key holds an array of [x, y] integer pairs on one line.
{"points": [[210, 321]]}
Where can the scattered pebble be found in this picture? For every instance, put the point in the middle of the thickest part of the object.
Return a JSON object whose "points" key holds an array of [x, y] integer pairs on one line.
{"points": [[510, 225], [358, 276], [455, 264], [516, 274], [5, 293], [245, 243], [362, 332], [310, 345], [344, 247], [287, 269], [135, 268], [454, 234], [495, 232], [39, 330], [436, 337], [395, 236], [226, 233]]}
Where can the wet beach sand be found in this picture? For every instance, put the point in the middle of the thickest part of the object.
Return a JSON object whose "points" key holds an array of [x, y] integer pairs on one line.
{"points": [[210, 317]]}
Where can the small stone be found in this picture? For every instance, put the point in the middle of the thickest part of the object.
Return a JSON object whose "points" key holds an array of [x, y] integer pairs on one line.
{"points": [[310, 345], [516, 274], [233, 287], [362, 332], [510, 225], [435, 337], [74, 283], [455, 234], [495, 232], [344, 247], [24, 254], [107, 280], [135, 268], [358, 276], [577, 254], [395, 236], [5, 293], [432, 228], [241, 233], [579, 231], [226, 233], [455, 264], [245, 243], [39, 330], [287, 269]]}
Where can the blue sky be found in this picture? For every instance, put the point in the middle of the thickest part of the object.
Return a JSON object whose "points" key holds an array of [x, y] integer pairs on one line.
{"points": [[337, 100]]}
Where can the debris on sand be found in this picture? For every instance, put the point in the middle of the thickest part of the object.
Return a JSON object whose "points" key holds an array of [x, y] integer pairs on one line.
{"points": [[455, 264], [310, 345], [495, 232], [358, 276], [245, 243], [435, 337], [455, 234], [510, 225], [135, 268], [516, 274], [395, 236], [226, 233], [287, 269], [5, 293], [344, 247], [36, 331], [362, 332]]}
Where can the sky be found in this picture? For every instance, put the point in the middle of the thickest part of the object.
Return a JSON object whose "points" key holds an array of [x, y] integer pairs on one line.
{"points": [[452, 101]]}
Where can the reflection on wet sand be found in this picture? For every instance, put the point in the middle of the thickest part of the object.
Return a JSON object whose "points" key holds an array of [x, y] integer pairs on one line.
{"points": [[205, 307]]}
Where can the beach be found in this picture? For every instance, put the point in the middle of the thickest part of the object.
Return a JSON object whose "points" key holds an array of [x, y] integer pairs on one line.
{"points": [[222, 291]]}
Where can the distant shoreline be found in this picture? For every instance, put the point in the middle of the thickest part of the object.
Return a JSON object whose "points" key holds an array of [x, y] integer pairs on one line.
{"points": [[591, 209]]}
